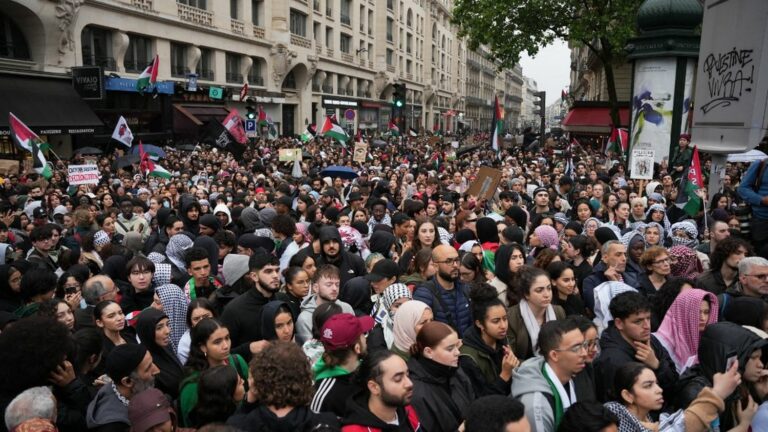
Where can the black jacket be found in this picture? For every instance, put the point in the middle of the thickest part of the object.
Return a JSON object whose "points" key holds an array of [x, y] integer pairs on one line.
{"points": [[258, 418], [133, 301], [482, 364], [331, 394], [349, 264], [357, 414], [242, 316], [441, 400], [615, 351], [718, 342], [171, 373]]}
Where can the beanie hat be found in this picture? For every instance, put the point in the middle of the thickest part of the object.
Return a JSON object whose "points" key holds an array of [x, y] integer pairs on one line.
{"points": [[605, 234], [123, 360], [547, 235], [148, 409], [518, 215], [574, 226], [210, 221]]}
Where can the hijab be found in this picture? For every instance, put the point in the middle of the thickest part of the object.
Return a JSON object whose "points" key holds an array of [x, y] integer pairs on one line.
{"points": [[357, 293], [392, 294], [687, 265], [175, 305], [381, 242], [680, 327], [171, 373], [660, 208], [177, 247], [404, 328]]}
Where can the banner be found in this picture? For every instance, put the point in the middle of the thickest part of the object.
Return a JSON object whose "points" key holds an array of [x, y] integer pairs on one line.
{"points": [[653, 102], [83, 174], [216, 135], [361, 152], [287, 155], [234, 125]]}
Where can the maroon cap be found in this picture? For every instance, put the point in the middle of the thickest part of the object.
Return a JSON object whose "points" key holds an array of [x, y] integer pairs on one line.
{"points": [[344, 330]]}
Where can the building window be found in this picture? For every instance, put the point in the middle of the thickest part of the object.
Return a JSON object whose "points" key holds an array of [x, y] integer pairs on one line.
{"points": [[346, 43], [201, 4], [256, 12], [390, 54], [328, 37], [390, 5], [97, 47], [316, 33], [298, 23], [178, 60], [233, 6], [12, 42], [408, 43], [390, 29], [205, 68], [139, 53], [346, 12], [233, 68], [254, 75], [409, 18], [290, 81], [407, 66]]}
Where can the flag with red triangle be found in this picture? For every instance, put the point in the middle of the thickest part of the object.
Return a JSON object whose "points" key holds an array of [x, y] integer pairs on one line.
{"points": [[689, 199], [617, 143], [393, 129], [29, 141], [332, 129], [149, 76]]}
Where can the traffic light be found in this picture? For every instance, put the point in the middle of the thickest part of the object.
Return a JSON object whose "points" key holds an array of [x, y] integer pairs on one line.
{"points": [[541, 111], [398, 106], [398, 97], [251, 114]]}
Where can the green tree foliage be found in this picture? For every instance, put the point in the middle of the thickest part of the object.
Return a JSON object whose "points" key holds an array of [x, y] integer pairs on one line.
{"points": [[509, 27]]}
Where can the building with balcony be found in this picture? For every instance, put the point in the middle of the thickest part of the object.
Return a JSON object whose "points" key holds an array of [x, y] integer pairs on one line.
{"points": [[302, 60], [528, 116]]}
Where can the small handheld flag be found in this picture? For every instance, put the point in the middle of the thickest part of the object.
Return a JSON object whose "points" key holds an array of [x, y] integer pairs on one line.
{"points": [[122, 132]]}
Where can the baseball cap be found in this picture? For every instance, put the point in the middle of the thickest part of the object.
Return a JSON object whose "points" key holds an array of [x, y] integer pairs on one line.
{"points": [[148, 409], [260, 190], [540, 189], [354, 196], [383, 269], [344, 330], [39, 213]]}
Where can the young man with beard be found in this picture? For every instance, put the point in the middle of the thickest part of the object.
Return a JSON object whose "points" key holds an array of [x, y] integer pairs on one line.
{"points": [[723, 273], [343, 337], [332, 252], [445, 293], [326, 285], [242, 316], [384, 404], [132, 371]]}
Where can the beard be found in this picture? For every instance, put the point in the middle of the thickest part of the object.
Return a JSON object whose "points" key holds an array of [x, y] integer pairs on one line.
{"points": [[447, 276], [395, 401], [139, 385], [268, 288]]}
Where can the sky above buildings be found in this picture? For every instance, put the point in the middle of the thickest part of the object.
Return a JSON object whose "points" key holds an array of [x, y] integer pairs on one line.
{"points": [[550, 69]]}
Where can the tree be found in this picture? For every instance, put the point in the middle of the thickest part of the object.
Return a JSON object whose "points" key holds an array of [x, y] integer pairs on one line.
{"points": [[509, 27]]}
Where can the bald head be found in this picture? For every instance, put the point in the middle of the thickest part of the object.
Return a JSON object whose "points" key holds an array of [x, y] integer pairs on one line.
{"points": [[99, 288], [441, 252], [447, 260]]}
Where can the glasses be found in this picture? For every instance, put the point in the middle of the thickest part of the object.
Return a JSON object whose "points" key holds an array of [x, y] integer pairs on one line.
{"points": [[576, 348], [762, 277], [663, 261], [449, 261], [140, 272]]}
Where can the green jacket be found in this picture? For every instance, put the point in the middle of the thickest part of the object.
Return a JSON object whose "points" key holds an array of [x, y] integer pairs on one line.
{"points": [[188, 393]]}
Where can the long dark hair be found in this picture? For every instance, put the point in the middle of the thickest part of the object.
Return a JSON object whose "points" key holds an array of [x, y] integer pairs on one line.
{"points": [[197, 361], [625, 379], [215, 395]]}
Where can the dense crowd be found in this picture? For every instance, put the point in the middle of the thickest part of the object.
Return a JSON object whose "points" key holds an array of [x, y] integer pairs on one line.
{"points": [[260, 295]]}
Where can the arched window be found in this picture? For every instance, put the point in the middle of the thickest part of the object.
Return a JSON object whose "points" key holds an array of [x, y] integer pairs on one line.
{"points": [[290, 81], [13, 44], [409, 18]]}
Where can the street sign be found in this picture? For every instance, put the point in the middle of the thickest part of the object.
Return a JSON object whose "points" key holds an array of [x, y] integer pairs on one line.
{"points": [[216, 93], [250, 128]]}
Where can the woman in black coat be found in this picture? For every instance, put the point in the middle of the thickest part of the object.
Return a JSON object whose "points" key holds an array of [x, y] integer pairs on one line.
{"points": [[155, 334], [441, 391]]}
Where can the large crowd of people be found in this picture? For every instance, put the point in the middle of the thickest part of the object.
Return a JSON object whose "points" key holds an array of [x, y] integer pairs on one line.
{"points": [[330, 295]]}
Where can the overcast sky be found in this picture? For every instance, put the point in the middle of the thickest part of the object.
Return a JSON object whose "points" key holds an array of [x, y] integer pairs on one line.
{"points": [[550, 68]]}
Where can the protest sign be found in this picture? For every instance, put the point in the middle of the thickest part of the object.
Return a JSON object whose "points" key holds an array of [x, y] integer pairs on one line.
{"points": [[361, 152], [484, 186], [289, 155], [83, 174]]}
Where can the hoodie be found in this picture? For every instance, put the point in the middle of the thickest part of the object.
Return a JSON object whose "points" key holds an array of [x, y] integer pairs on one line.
{"points": [[222, 208], [358, 418], [304, 321], [268, 314], [482, 364], [249, 219], [531, 388], [106, 409], [252, 417], [350, 265]]}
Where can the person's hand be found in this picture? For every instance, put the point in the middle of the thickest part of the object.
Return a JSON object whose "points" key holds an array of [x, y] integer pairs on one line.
{"points": [[725, 383], [644, 354], [612, 274], [102, 380], [62, 375], [73, 299], [508, 363], [745, 415], [761, 386], [8, 218], [678, 168], [258, 346]]}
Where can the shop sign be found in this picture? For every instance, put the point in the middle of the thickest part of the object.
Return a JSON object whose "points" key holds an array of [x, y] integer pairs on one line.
{"points": [[129, 85], [88, 82]]}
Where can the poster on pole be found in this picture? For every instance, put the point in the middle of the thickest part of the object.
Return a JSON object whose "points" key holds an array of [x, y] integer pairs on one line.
{"points": [[361, 152], [642, 163], [83, 174]]}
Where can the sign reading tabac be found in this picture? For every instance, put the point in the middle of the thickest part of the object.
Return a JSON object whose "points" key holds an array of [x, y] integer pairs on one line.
{"points": [[290, 155], [83, 174]]}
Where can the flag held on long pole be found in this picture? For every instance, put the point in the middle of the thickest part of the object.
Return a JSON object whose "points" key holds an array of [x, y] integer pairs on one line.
{"points": [[122, 133], [149, 76], [31, 142], [331, 129], [496, 124], [688, 198]]}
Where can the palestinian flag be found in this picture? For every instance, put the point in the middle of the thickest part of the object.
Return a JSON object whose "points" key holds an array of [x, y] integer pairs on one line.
{"points": [[149, 76], [29, 141], [497, 124], [145, 163], [332, 129], [158, 171], [309, 133], [393, 129], [688, 199], [617, 143], [262, 120]]}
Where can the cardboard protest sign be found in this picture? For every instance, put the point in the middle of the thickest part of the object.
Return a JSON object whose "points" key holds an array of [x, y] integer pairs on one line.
{"points": [[484, 186], [361, 152], [83, 174], [289, 155]]}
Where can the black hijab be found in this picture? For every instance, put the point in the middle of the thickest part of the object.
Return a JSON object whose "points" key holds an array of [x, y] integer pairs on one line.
{"points": [[171, 373], [381, 242], [9, 299]]}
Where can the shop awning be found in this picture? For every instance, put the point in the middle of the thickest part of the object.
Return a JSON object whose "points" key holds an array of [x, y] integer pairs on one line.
{"points": [[200, 114], [593, 119], [48, 106]]}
